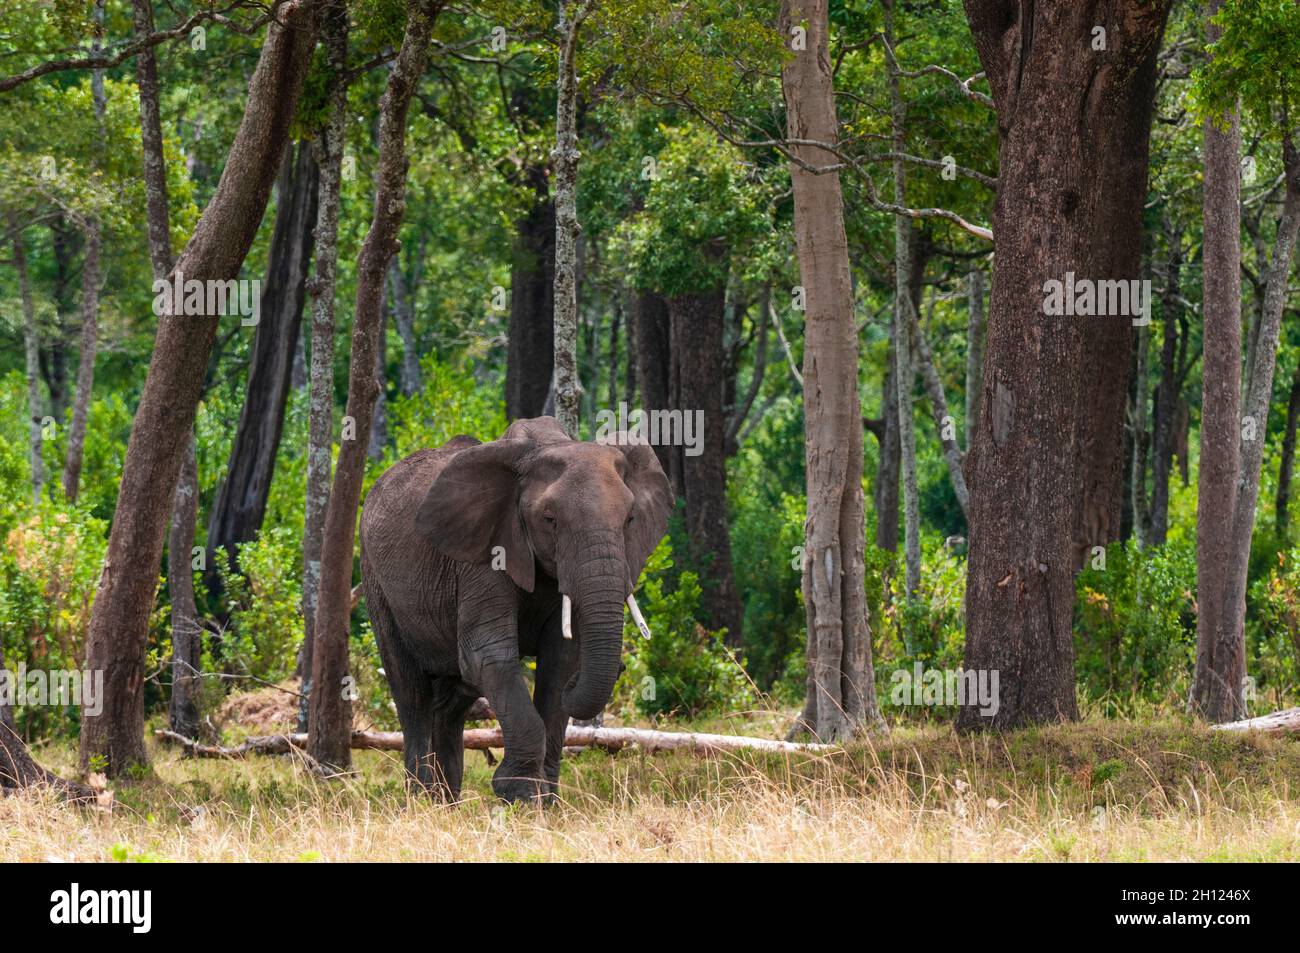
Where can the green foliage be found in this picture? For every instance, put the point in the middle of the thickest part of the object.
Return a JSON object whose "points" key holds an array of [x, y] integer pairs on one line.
{"points": [[1254, 62], [266, 606], [684, 669], [1273, 633], [451, 402]]}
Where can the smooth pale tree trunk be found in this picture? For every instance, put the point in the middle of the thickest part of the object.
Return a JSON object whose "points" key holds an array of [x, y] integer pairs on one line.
{"points": [[904, 321], [1073, 129], [531, 341], [165, 415], [1218, 685], [975, 331], [32, 352], [565, 156], [697, 323], [330, 717], [1220, 656], [240, 502], [89, 304], [320, 420], [841, 686]]}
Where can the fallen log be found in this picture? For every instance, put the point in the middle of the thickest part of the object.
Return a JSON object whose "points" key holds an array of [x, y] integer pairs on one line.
{"points": [[1276, 723], [481, 739]]}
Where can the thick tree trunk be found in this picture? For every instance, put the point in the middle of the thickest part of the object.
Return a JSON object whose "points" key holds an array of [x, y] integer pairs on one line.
{"points": [[1216, 691], [531, 343], [841, 685], [565, 156], [187, 646], [161, 428], [32, 350], [320, 422], [1073, 127], [330, 719], [655, 358], [1168, 396], [240, 503], [697, 321]]}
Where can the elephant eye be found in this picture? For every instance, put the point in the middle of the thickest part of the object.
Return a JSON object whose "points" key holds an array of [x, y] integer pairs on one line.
{"points": [[630, 518], [549, 520]]}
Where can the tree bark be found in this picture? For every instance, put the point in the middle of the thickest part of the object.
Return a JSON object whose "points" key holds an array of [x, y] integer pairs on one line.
{"points": [[32, 349], [187, 645], [1287, 466], [841, 684], [1073, 140], [155, 169], [165, 415], [696, 329], [1216, 692], [975, 331], [240, 502], [330, 719], [655, 359], [1141, 443], [320, 422], [565, 156], [531, 342]]}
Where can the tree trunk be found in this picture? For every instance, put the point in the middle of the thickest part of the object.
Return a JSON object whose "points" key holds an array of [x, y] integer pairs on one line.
{"points": [[696, 329], [240, 503], [155, 169], [975, 331], [904, 319], [165, 415], [399, 298], [841, 684], [565, 156], [187, 646], [1168, 396], [1219, 681], [379, 425], [32, 349], [1073, 140], [1141, 443], [1216, 692], [330, 720], [320, 423], [1287, 466], [655, 359], [887, 471], [531, 343], [89, 304]]}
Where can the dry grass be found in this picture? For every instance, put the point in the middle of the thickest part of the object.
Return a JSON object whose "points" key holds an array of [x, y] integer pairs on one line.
{"points": [[1094, 791]]}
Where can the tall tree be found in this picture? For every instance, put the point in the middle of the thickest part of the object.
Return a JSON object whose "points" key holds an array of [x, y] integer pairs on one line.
{"points": [[330, 721], [530, 351], [1070, 197], [165, 415], [841, 687]]}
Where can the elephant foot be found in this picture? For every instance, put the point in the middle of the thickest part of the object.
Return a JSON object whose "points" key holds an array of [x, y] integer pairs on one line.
{"points": [[513, 785]]}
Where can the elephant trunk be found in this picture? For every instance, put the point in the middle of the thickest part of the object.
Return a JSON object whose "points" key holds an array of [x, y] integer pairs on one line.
{"points": [[598, 589]]}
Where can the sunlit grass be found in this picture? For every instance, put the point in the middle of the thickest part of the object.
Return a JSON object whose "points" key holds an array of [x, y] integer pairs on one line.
{"points": [[1097, 791]]}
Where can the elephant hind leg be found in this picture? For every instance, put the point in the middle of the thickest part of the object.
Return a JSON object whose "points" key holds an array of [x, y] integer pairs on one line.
{"points": [[452, 700], [411, 690]]}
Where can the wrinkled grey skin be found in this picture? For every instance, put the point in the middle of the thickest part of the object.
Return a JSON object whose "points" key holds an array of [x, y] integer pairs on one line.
{"points": [[564, 517]]}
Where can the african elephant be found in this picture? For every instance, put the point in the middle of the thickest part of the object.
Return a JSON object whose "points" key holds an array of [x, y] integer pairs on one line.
{"points": [[477, 554]]}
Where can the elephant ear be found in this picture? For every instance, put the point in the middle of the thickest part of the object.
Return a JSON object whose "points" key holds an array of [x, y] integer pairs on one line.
{"points": [[652, 503], [473, 508]]}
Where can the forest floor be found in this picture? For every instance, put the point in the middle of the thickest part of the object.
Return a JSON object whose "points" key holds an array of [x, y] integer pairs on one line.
{"points": [[1093, 791]]}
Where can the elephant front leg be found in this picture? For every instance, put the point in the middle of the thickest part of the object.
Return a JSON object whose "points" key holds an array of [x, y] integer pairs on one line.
{"points": [[494, 667], [557, 660]]}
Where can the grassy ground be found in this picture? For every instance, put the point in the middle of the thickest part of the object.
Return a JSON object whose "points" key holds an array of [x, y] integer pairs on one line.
{"points": [[1091, 791]]}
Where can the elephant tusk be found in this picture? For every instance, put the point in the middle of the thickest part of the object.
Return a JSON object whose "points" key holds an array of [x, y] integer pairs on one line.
{"points": [[637, 617], [566, 617]]}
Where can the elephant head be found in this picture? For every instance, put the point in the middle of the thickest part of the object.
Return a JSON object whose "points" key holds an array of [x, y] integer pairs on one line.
{"points": [[586, 514]]}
